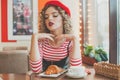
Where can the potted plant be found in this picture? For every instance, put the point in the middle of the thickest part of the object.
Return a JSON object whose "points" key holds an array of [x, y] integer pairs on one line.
{"points": [[92, 55]]}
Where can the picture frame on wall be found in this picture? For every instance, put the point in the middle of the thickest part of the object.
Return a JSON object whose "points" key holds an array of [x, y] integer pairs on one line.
{"points": [[21, 22]]}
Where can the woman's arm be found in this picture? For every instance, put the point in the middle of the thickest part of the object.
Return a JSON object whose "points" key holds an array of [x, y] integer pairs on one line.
{"points": [[67, 37], [35, 58], [36, 51], [75, 55]]}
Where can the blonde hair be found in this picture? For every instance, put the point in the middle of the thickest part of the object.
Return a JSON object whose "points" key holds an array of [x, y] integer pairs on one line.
{"points": [[67, 27]]}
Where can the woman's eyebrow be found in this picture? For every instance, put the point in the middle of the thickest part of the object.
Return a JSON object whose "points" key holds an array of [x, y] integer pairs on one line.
{"points": [[51, 13], [55, 13]]}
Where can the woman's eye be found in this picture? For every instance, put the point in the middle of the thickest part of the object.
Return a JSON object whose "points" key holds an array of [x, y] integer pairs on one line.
{"points": [[46, 16], [52, 15], [55, 15]]}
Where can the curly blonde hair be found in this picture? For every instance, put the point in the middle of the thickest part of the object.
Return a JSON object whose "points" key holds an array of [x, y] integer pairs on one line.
{"points": [[67, 27]]}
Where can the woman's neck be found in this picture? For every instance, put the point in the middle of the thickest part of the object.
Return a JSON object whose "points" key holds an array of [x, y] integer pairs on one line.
{"points": [[57, 32]]}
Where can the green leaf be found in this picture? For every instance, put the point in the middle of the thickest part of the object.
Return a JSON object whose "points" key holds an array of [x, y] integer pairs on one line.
{"points": [[88, 49], [98, 58]]}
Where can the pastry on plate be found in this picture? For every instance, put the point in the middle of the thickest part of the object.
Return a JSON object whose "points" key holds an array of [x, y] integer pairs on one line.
{"points": [[53, 69]]}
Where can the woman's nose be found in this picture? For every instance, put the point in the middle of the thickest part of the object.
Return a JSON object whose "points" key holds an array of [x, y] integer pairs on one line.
{"points": [[50, 17]]}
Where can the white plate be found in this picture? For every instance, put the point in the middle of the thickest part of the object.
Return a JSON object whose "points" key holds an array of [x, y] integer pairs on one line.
{"points": [[52, 75]]}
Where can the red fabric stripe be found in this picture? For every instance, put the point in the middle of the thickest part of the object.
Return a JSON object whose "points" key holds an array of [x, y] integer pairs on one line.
{"points": [[37, 71], [4, 32], [75, 60], [54, 55], [76, 64], [35, 62], [36, 66], [58, 50]]}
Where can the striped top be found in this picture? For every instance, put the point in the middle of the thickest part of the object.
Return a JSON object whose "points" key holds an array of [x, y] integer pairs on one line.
{"points": [[51, 53]]}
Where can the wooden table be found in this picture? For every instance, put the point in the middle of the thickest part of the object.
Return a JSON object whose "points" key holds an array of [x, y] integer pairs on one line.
{"points": [[91, 76]]}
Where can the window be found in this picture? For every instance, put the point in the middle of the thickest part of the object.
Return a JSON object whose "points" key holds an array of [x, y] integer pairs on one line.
{"points": [[96, 23]]}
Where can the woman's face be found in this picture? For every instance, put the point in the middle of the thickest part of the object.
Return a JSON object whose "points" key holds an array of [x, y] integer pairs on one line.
{"points": [[53, 19]]}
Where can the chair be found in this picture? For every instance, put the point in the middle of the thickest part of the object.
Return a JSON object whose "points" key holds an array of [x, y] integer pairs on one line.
{"points": [[14, 60], [14, 48]]}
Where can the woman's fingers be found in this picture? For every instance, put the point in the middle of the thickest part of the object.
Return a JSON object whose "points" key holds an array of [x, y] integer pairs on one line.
{"points": [[55, 38], [46, 35], [51, 38], [60, 37], [69, 37]]}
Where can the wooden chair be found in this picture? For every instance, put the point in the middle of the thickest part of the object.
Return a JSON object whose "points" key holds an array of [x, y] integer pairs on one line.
{"points": [[14, 48], [14, 60]]}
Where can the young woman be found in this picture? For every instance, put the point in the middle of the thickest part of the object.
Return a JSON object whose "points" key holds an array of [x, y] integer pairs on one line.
{"points": [[55, 42]]}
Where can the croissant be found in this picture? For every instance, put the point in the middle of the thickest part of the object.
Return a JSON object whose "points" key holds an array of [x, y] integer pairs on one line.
{"points": [[53, 69]]}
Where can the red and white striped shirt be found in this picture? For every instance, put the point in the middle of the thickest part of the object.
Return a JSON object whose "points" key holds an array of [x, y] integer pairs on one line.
{"points": [[51, 53]]}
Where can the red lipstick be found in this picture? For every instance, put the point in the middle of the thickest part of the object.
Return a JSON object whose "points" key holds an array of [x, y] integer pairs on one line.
{"points": [[51, 23]]}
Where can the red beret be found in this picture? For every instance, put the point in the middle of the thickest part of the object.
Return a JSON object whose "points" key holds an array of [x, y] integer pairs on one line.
{"points": [[59, 4]]}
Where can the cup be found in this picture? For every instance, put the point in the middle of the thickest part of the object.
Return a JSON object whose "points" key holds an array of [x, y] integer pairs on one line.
{"points": [[76, 72]]}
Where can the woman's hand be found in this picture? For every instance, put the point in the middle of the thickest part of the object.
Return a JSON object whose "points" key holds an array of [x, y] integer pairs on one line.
{"points": [[67, 37], [45, 35]]}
